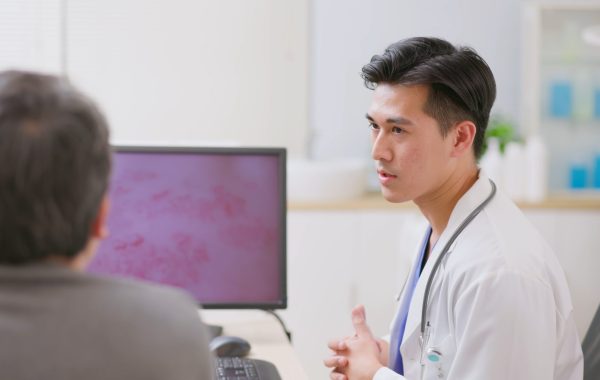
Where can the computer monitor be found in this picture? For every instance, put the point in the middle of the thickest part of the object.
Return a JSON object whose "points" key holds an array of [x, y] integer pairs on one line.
{"points": [[211, 221]]}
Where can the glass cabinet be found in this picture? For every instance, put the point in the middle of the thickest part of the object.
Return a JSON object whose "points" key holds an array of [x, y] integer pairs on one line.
{"points": [[560, 93]]}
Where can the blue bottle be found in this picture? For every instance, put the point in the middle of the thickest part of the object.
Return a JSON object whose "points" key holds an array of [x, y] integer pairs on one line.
{"points": [[561, 100], [596, 176], [578, 176], [597, 103]]}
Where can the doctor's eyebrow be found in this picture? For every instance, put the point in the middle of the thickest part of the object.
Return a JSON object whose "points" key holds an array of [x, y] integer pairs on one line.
{"points": [[392, 120]]}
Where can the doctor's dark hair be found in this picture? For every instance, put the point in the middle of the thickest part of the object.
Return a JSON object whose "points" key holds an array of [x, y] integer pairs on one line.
{"points": [[55, 166], [461, 84]]}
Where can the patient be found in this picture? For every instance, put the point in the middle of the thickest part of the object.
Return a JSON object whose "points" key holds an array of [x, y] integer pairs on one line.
{"points": [[57, 322]]}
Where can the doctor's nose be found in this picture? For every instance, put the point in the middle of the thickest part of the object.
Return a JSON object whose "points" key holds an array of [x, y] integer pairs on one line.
{"points": [[380, 150]]}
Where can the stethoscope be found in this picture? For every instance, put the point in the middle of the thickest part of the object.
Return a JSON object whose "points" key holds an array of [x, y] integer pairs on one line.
{"points": [[434, 355]]}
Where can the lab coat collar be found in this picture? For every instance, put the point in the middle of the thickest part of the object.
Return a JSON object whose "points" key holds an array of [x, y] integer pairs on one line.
{"points": [[466, 204]]}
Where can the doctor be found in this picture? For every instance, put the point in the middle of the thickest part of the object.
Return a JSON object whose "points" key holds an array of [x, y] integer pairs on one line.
{"points": [[486, 298]]}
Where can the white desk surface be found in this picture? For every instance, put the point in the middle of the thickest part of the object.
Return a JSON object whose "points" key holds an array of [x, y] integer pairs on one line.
{"points": [[265, 335]]}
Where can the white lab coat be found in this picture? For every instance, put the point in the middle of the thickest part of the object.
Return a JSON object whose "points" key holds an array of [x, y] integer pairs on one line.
{"points": [[500, 307]]}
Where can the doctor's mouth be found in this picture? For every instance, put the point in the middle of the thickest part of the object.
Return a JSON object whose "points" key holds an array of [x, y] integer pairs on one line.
{"points": [[385, 177]]}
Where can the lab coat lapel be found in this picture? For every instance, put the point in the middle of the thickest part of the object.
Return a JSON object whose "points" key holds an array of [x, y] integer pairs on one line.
{"points": [[467, 203], [404, 289], [413, 321]]}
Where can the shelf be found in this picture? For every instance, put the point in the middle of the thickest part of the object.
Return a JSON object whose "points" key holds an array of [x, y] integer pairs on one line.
{"points": [[374, 201], [549, 63]]}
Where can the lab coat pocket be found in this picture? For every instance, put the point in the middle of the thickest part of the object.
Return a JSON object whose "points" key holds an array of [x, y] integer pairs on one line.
{"points": [[438, 357]]}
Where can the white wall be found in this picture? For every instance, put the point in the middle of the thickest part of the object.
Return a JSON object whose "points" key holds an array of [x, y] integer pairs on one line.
{"points": [[345, 34], [260, 71], [188, 70], [183, 71], [30, 35]]}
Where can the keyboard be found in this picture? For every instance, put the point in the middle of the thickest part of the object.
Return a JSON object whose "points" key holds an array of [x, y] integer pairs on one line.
{"points": [[236, 368]]}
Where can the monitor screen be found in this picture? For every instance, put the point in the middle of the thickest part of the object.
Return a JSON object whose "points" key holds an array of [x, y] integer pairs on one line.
{"points": [[211, 221]]}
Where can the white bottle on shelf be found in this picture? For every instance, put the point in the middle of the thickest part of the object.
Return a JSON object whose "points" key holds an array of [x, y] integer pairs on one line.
{"points": [[491, 162], [537, 169], [514, 171]]}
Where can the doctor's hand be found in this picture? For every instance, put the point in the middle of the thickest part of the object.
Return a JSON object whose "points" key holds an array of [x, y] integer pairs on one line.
{"points": [[337, 361], [357, 357]]}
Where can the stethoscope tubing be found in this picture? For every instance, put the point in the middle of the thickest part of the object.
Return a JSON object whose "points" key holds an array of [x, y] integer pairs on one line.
{"points": [[457, 233]]}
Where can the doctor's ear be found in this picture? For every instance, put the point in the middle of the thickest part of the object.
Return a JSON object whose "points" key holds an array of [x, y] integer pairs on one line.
{"points": [[462, 135]]}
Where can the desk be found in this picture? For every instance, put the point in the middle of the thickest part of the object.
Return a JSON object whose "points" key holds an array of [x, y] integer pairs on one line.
{"points": [[264, 334]]}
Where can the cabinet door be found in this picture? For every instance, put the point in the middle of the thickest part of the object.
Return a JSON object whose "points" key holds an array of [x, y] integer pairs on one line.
{"points": [[572, 235], [560, 97], [388, 242], [337, 260], [321, 255]]}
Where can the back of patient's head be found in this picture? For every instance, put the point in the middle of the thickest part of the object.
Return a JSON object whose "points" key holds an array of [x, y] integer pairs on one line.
{"points": [[461, 84], [55, 164]]}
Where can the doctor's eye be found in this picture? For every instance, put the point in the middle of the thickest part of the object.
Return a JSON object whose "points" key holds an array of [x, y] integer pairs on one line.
{"points": [[397, 130], [373, 127]]}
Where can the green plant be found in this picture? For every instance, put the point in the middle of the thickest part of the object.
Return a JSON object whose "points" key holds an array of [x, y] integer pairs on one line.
{"points": [[500, 128]]}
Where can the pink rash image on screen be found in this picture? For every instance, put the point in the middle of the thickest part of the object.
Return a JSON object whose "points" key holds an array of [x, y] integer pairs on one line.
{"points": [[206, 223]]}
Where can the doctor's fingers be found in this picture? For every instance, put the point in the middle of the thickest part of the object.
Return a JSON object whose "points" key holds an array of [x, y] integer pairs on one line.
{"points": [[338, 344], [384, 349], [337, 376], [335, 362], [359, 320]]}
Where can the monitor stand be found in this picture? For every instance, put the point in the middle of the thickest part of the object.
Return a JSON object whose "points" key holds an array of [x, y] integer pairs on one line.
{"points": [[214, 331]]}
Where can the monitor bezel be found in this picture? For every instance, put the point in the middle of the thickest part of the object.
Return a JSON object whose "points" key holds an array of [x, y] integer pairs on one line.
{"points": [[281, 155]]}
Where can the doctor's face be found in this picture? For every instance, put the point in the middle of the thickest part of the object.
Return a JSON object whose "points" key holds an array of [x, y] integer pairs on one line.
{"points": [[411, 156]]}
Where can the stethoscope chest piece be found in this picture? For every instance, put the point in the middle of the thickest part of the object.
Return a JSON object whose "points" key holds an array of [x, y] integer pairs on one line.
{"points": [[434, 355], [434, 361]]}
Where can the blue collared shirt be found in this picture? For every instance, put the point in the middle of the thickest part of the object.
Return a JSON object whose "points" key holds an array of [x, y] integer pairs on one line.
{"points": [[398, 329]]}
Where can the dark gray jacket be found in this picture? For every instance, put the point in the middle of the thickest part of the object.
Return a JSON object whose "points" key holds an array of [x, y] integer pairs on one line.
{"points": [[57, 324]]}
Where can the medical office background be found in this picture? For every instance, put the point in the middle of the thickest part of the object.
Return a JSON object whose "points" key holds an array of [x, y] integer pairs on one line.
{"points": [[286, 73]]}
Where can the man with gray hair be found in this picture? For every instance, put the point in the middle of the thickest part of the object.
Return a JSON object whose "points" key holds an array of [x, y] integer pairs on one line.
{"points": [[57, 322]]}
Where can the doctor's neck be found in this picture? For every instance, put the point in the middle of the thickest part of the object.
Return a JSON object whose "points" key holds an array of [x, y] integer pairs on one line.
{"points": [[437, 206]]}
